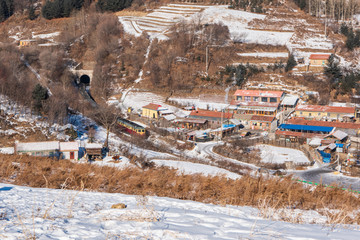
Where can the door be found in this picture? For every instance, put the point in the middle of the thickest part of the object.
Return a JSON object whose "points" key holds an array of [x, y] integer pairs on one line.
{"points": [[72, 155]]}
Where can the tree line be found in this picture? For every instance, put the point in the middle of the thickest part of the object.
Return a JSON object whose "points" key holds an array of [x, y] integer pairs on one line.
{"points": [[252, 5], [63, 8], [340, 10]]}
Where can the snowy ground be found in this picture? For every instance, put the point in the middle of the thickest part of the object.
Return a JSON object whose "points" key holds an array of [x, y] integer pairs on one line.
{"points": [[265, 54], [271, 154], [194, 168], [26, 213]]}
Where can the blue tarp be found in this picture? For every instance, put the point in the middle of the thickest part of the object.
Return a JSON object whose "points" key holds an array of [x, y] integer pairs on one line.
{"points": [[306, 128], [340, 145], [326, 156], [228, 126]]}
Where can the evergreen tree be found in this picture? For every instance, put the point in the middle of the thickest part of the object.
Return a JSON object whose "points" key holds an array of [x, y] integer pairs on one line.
{"points": [[332, 70], [350, 41], [32, 15], [39, 94], [344, 29], [113, 5], [291, 63], [6, 9]]}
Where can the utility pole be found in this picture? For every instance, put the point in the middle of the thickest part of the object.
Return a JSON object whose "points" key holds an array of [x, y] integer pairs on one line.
{"points": [[221, 134]]}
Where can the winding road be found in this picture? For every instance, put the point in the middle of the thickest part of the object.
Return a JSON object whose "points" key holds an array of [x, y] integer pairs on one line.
{"points": [[326, 176], [208, 149]]}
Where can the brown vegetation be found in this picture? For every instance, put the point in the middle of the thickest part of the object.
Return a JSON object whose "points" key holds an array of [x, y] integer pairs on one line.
{"points": [[279, 192]]}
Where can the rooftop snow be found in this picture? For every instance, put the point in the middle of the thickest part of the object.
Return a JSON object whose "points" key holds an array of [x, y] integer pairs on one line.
{"points": [[37, 146]]}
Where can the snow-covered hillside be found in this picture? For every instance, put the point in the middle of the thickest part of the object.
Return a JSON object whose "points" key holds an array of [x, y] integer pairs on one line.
{"points": [[29, 213]]}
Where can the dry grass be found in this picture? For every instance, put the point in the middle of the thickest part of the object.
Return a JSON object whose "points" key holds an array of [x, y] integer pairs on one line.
{"points": [[280, 193], [127, 13]]}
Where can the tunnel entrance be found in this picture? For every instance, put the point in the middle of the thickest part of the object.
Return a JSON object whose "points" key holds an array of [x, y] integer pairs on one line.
{"points": [[85, 79]]}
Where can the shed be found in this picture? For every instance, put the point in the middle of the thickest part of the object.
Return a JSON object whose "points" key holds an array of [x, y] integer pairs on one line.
{"points": [[93, 150], [69, 150]]}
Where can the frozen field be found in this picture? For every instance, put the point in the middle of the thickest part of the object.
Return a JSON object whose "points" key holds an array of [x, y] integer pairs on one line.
{"points": [[194, 168], [29, 213], [271, 154]]}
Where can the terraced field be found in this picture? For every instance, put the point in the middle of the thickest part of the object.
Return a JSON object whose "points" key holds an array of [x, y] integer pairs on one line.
{"points": [[158, 22]]}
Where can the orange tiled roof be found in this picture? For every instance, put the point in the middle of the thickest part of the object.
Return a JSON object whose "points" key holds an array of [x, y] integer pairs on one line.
{"points": [[152, 106], [301, 121], [320, 56], [207, 113], [258, 93], [331, 109], [262, 118]]}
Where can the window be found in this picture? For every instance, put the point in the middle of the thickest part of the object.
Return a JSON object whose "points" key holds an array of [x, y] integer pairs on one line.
{"points": [[255, 99], [264, 99], [272, 99], [239, 98], [247, 99]]}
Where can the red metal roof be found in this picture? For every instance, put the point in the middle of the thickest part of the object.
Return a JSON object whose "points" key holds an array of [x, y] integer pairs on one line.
{"points": [[152, 106], [258, 93], [207, 113], [330, 109], [254, 104], [301, 121], [262, 118], [319, 56]]}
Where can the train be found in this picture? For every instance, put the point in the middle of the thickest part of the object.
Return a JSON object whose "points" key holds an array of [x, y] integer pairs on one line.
{"points": [[131, 127]]}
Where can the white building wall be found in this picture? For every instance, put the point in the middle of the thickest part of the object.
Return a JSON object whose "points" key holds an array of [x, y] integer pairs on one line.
{"points": [[66, 155]]}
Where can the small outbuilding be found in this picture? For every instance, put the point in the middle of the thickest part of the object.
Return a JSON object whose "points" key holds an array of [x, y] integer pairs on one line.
{"points": [[69, 150]]}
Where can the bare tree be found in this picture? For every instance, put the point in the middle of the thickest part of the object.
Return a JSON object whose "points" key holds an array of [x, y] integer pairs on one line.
{"points": [[106, 116]]}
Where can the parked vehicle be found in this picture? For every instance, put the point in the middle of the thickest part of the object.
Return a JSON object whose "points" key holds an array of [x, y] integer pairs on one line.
{"points": [[131, 127]]}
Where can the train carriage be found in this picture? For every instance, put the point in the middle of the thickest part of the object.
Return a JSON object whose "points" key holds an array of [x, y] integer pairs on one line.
{"points": [[131, 127]]}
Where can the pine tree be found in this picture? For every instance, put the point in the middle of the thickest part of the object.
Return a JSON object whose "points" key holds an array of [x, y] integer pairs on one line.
{"points": [[4, 11], [291, 63], [39, 94], [332, 70], [32, 15]]}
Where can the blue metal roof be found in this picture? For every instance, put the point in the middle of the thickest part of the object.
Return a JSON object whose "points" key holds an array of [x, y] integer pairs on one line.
{"points": [[305, 128]]}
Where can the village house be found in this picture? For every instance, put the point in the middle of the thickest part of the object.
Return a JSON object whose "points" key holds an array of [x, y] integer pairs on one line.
{"points": [[191, 123], [318, 60], [151, 110], [301, 133], [289, 102], [214, 118], [317, 112], [63, 150], [352, 129], [267, 123], [256, 102], [258, 96]]}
